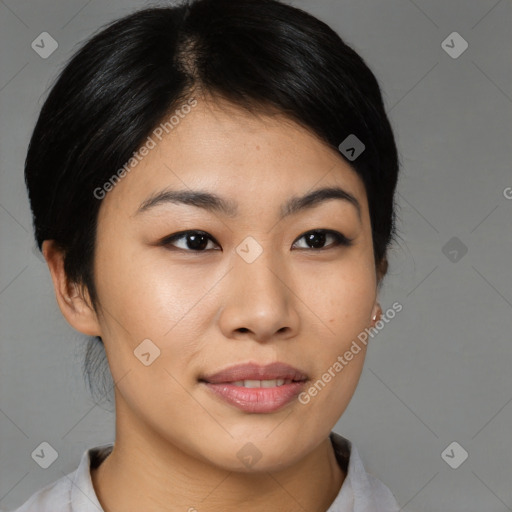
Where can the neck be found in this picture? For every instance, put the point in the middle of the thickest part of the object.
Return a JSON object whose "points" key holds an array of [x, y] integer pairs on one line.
{"points": [[145, 471]]}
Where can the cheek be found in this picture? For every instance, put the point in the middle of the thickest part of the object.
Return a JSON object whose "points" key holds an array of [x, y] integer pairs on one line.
{"points": [[339, 362], [147, 295], [145, 298], [342, 297]]}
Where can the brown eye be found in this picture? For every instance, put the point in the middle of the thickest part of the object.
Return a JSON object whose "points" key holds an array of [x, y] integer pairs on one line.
{"points": [[197, 241], [192, 240], [316, 239]]}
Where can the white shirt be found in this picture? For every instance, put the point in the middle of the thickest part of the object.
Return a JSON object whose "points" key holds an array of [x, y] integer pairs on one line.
{"points": [[74, 492]]}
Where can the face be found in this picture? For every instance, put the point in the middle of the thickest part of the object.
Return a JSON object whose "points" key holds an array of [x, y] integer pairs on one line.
{"points": [[259, 284]]}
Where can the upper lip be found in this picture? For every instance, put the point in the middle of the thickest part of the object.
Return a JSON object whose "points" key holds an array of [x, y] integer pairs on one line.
{"points": [[253, 371]]}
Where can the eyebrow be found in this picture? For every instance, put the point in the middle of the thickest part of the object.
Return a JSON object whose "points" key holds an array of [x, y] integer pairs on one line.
{"points": [[229, 208]]}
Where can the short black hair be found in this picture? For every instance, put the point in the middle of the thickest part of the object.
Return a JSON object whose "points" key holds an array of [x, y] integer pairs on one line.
{"points": [[261, 55]]}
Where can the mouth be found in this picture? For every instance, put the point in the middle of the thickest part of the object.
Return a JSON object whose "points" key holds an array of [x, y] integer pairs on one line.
{"points": [[256, 389], [268, 383]]}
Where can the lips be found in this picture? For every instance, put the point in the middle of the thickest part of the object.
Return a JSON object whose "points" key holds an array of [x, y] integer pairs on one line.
{"points": [[254, 372], [256, 389]]}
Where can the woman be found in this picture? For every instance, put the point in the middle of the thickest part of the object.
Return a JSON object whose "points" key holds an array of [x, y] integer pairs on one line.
{"points": [[212, 187]]}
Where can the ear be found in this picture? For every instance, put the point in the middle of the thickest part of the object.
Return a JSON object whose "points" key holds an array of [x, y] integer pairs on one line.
{"points": [[73, 302], [382, 269]]}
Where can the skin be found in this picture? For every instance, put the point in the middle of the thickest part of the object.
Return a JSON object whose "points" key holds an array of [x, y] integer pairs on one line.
{"points": [[176, 444]]}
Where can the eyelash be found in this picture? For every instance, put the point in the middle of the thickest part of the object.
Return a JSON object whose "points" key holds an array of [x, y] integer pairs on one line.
{"points": [[339, 239]]}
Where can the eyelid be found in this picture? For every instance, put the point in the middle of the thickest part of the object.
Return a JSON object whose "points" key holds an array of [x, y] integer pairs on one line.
{"points": [[340, 239], [181, 234]]}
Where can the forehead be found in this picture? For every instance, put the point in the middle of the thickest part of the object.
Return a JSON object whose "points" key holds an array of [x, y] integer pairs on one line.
{"points": [[220, 147]]}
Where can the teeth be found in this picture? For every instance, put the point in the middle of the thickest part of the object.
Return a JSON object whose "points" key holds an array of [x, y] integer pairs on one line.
{"points": [[261, 383]]}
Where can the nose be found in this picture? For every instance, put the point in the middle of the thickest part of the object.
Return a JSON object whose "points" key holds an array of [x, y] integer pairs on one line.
{"points": [[260, 300]]}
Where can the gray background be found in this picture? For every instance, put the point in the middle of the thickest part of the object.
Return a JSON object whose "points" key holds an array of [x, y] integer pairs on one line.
{"points": [[439, 372]]}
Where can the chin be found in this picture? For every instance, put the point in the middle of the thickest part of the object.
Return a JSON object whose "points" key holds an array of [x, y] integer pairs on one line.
{"points": [[255, 455]]}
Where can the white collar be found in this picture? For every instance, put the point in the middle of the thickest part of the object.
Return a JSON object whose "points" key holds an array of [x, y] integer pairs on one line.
{"points": [[360, 491]]}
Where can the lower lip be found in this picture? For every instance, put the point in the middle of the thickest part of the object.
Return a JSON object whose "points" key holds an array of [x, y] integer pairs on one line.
{"points": [[257, 400]]}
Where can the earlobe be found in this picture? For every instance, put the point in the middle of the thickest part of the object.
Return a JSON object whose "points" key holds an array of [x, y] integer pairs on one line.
{"points": [[376, 313], [74, 305]]}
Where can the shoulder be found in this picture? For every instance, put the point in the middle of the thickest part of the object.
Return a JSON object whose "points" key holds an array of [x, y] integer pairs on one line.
{"points": [[360, 491], [54, 497], [73, 492]]}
